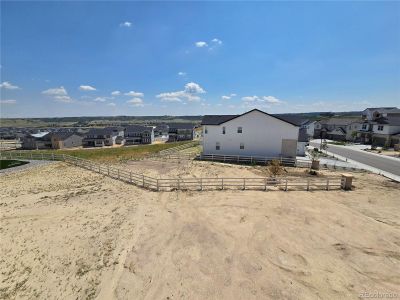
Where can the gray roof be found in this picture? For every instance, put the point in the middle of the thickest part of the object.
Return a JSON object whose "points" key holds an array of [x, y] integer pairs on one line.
{"points": [[377, 108], [340, 121], [63, 135], [180, 126], [102, 131], [220, 119], [389, 120], [138, 128]]}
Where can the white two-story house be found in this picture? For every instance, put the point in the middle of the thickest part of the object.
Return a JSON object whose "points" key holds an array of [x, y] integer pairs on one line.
{"points": [[254, 133]]}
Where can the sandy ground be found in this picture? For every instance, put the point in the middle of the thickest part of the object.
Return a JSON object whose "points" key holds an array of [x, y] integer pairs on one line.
{"points": [[68, 233]]}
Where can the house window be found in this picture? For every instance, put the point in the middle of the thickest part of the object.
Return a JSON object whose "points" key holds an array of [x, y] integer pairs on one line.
{"points": [[240, 130], [223, 130], [217, 146], [380, 127], [364, 126], [205, 130], [241, 146]]}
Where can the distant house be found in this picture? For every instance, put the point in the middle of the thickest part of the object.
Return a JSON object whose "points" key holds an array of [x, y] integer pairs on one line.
{"points": [[161, 132], [371, 113], [254, 133], [309, 126], [138, 134], [302, 142], [40, 140], [383, 129], [100, 137], [180, 132], [341, 129], [62, 140]]}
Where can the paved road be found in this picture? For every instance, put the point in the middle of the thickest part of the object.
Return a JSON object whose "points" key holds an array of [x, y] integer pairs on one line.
{"points": [[382, 163]]}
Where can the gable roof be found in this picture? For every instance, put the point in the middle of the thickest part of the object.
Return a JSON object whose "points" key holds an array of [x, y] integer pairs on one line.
{"points": [[389, 120], [220, 119], [138, 128], [64, 135], [173, 126]]}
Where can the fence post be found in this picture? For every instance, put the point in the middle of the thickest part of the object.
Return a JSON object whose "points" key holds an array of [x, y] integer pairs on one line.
{"points": [[63, 157], [265, 184], [130, 177], [346, 182], [286, 186], [143, 180], [244, 183], [42, 156], [308, 184], [99, 168], [31, 155], [201, 184], [52, 156], [118, 173], [222, 183], [327, 184], [158, 188], [179, 186], [108, 170]]}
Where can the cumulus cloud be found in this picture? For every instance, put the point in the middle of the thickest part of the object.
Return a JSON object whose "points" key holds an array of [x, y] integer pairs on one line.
{"points": [[226, 97], [190, 93], [116, 93], [60, 91], [261, 99], [111, 104], [86, 88], [63, 98], [216, 41], [8, 101], [135, 102], [201, 44], [100, 99], [8, 86], [134, 94], [125, 24]]}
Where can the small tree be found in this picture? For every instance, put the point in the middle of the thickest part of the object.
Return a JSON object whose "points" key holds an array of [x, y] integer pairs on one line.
{"points": [[275, 168], [314, 154]]}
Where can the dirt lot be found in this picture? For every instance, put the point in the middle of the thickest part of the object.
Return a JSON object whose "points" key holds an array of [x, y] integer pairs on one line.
{"points": [[68, 233]]}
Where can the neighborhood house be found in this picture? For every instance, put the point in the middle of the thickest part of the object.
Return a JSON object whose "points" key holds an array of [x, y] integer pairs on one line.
{"points": [[254, 133], [100, 137], [137, 134]]}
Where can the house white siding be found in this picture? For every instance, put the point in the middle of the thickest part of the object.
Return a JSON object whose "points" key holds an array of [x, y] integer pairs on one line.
{"points": [[261, 135], [386, 129]]}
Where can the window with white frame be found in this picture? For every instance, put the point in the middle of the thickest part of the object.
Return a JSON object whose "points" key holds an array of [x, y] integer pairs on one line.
{"points": [[241, 146], [240, 130], [380, 127], [217, 146], [223, 130]]}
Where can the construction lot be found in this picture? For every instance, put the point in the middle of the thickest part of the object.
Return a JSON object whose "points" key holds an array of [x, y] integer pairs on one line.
{"points": [[71, 233]]}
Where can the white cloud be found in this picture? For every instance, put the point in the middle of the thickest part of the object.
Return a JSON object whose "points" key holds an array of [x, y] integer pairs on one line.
{"points": [[8, 101], [216, 41], [182, 73], [272, 100], [135, 102], [126, 24], [111, 104], [225, 97], [190, 93], [100, 99], [134, 94], [61, 91], [63, 98], [201, 44], [261, 100], [116, 93], [86, 88], [8, 85]]}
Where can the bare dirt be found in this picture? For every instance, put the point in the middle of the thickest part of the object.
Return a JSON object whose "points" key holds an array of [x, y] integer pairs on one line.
{"points": [[68, 233]]}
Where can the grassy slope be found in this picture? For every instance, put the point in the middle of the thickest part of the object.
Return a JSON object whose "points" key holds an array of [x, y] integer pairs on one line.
{"points": [[113, 154]]}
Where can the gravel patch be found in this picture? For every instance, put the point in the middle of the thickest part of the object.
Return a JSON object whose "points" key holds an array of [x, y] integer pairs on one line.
{"points": [[32, 164]]}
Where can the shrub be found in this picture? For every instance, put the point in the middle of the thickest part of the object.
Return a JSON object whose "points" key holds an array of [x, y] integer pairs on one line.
{"points": [[275, 168]]}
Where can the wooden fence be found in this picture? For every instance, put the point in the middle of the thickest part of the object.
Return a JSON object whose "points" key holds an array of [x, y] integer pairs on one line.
{"points": [[170, 184], [247, 159]]}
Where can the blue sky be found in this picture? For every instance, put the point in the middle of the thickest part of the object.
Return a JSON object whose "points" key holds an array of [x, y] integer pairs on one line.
{"points": [[176, 58]]}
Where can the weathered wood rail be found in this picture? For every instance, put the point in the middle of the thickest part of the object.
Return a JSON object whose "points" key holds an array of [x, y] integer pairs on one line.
{"points": [[247, 159], [171, 184]]}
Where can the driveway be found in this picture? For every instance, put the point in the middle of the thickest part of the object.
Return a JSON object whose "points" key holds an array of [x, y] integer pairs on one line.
{"points": [[386, 164]]}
